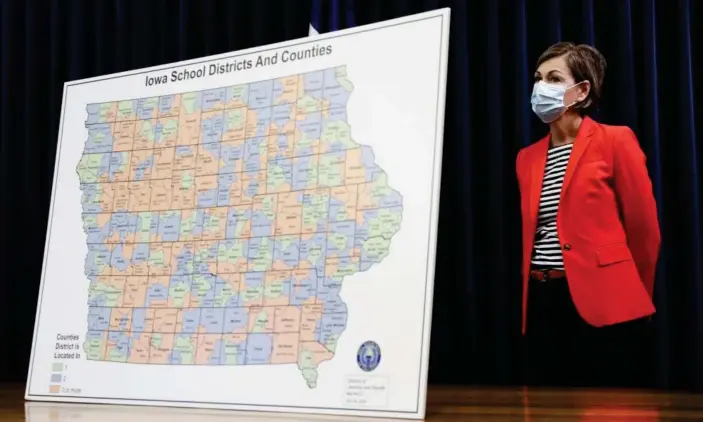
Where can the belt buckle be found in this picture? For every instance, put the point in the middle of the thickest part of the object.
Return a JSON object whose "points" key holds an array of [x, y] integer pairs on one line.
{"points": [[545, 275]]}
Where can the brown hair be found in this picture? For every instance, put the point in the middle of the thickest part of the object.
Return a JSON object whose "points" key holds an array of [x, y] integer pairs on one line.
{"points": [[585, 63]]}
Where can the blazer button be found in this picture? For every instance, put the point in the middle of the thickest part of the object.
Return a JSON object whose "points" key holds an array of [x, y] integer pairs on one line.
{"points": [[567, 247]]}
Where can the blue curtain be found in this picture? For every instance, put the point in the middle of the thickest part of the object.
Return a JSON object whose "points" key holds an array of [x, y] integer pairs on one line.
{"points": [[652, 50]]}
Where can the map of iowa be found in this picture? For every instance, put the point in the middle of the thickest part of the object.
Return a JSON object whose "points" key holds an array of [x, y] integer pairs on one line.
{"points": [[221, 224]]}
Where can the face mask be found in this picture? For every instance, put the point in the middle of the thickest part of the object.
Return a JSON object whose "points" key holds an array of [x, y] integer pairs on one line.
{"points": [[548, 101]]}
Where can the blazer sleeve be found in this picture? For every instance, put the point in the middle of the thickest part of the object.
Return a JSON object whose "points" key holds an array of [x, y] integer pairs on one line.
{"points": [[638, 207]]}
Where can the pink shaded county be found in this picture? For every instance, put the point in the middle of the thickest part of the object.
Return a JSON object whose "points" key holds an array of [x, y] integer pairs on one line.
{"points": [[121, 319], [289, 216], [139, 346], [183, 190], [354, 171], [185, 157], [346, 196], [287, 319], [161, 348], [285, 90], [189, 120], [163, 163], [160, 195], [285, 348], [135, 291], [165, 320], [208, 161], [123, 136], [121, 194], [139, 196], [208, 349]]}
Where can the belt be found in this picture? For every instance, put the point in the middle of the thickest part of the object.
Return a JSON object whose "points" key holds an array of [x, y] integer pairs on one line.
{"points": [[544, 275]]}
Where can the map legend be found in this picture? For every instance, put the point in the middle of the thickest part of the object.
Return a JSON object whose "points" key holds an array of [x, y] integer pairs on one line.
{"points": [[56, 378]]}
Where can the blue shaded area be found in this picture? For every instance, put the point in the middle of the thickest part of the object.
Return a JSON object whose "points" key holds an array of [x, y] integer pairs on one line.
{"points": [[332, 326], [281, 115], [212, 98], [333, 92], [253, 150], [231, 156], [211, 127], [225, 182], [147, 108], [236, 319], [312, 84], [122, 225], [139, 319], [328, 294], [155, 292], [190, 321], [118, 260], [212, 320], [119, 164], [303, 286], [288, 255], [259, 347], [166, 104], [262, 120], [99, 318], [314, 245], [120, 350], [236, 217], [100, 138], [203, 290], [183, 255], [97, 260], [261, 94], [94, 231]]}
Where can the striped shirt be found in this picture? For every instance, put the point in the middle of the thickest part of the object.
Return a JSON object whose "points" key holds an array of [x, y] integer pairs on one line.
{"points": [[547, 248]]}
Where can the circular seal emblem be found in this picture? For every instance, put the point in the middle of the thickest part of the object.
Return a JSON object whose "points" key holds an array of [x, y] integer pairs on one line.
{"points": [[369, 356]]}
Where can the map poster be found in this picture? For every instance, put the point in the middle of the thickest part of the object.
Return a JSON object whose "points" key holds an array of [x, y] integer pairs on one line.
{"points": [[254, 230]]}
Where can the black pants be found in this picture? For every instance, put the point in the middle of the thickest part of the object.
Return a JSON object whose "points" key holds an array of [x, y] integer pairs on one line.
{"points": [[561, 349]]}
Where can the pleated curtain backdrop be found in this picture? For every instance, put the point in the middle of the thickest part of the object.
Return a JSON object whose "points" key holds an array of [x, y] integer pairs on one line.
{"points": [[652, 51]]}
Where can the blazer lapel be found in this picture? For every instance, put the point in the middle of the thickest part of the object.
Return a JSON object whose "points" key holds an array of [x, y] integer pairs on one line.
{"points": [[537, 174], [583, 138]]}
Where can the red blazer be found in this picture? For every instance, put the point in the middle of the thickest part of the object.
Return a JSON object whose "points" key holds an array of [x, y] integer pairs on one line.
{"points": [[607, 223]]}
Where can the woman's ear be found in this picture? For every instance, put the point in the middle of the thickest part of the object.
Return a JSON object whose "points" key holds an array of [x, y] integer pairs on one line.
{"points": [[577, 93], [583, 89]]}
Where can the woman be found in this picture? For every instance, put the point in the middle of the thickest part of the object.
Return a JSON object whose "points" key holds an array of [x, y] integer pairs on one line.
{"points": [[590, 236]]}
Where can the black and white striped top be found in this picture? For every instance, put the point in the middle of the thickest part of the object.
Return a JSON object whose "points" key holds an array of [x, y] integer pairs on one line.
{"points": [[547, 248]]}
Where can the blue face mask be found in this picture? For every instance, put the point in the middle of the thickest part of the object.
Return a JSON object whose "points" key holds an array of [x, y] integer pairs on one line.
{"points": [[548, 101]]}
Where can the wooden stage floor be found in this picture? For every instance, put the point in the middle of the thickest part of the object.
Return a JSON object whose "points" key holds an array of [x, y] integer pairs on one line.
{"points": [[444, 404]]}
